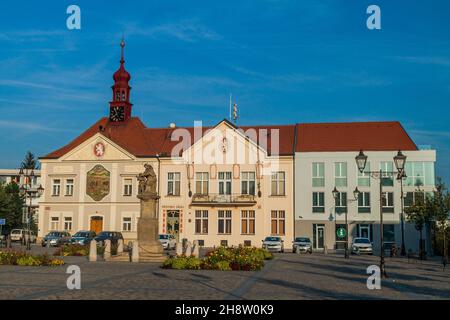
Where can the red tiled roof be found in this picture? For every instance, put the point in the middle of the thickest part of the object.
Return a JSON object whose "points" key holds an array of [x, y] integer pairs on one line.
{"points": [[141, 141], [353, 136]]}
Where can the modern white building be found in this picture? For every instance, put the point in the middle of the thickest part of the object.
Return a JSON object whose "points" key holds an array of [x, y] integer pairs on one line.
{"points": [[325, 159]]}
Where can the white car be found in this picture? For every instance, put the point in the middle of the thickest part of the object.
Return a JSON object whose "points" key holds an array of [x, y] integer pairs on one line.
{"points": [[273, 244], [303, 244], [362, 245], [168, 241], [19, 234]]}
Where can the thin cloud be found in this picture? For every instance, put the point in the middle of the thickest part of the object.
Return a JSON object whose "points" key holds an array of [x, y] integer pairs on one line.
{"points": [[29, 126], [440, 61]]}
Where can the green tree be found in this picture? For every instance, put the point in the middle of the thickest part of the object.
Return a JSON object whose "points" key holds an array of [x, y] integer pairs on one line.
{"points": [[440, 208], [30, 162], [11, 205]]}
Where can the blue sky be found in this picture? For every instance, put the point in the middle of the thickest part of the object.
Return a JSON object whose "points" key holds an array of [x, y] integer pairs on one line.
{"points": [[284, 61]]}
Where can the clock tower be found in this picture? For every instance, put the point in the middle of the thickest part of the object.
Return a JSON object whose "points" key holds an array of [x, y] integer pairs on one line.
{"points": [[120, 106]]}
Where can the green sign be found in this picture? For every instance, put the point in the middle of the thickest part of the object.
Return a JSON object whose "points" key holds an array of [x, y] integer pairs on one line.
{"points": [[341, 233]]}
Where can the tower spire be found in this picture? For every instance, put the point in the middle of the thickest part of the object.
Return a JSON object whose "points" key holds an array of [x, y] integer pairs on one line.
{"points": [[122, 44]]}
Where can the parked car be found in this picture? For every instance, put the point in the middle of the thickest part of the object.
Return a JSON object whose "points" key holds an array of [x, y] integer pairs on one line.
{"points": [[168, 241], [273, 244], [56, 238], [362, 245], [303, 244], [82, 237], [19, 234], [108, 235]]}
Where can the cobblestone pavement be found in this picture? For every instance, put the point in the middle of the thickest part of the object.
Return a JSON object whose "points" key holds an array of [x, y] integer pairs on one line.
{"points": [[288, 276]]}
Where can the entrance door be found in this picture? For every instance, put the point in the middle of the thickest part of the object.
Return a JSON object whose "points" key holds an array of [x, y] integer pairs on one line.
{"points": [[318, 236], [173, 223], [96, 224]]}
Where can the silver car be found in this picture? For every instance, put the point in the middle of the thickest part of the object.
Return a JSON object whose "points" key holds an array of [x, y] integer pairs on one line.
{"points": [[302, 244], [168, 241], [273, 244], [362, 245]]}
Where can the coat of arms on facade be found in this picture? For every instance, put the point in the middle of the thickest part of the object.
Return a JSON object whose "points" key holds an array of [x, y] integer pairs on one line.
{"points": [[98, 182]]}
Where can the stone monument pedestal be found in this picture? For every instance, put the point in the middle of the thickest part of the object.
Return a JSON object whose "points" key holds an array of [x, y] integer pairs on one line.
{"points": [[150, 249]]}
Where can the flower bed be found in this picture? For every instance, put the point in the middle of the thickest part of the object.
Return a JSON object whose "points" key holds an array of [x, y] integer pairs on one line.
{"points": [[72, 250], [19, 258], [223, 258]]}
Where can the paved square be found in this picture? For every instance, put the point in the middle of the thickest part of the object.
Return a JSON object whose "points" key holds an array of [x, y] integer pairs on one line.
{"points": [[288, 276]]}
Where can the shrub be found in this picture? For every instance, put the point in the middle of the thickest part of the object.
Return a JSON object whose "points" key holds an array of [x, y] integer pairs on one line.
{"points": [[20, 258], [72, 250]]}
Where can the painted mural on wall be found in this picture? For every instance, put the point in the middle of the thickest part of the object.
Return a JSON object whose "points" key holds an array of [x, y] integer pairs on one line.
{"points": [[98, 182]]}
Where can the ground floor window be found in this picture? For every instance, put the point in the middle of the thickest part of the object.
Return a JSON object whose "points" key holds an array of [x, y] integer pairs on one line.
{"points": [[248, 222], [201, 221], [126, 224], [388, 233], [365, 231], [278, 222], [54, 223], [224, 222], [67, 223]]}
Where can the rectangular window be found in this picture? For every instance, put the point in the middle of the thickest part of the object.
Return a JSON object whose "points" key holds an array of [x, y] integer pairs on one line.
{"points": [[173, 183], [388, 179], [201, 221], [202, 183], [318, 201], [248, 222], [408, 199], [388, 202], [340, 174], [69, 187], [225, 182], [388, 233], [364, 178], [278, 183], [67, 223], [224, 222], [54, 223], [364, 202], [248, 183], [128, 187], [419, 174], [278, 222], [341, 202], [56, 187], [318, 174], [126, 224]]}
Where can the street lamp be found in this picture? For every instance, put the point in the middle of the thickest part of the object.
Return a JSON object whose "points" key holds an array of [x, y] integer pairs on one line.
{"points": [[335, 193], [26, 191], [399, 160], [400, 177]]}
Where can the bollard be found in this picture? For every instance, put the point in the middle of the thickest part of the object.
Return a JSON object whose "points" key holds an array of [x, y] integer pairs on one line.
{"points": [[325, 250], [188, 250], [93, 251], [195, 250], [135, 252], [119, 246], [179, 249], [107, 253]]}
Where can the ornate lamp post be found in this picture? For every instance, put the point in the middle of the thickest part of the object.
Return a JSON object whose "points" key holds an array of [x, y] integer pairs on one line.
{"points": [[26, 190], [400, 178], [399, 160], [335, 196]]}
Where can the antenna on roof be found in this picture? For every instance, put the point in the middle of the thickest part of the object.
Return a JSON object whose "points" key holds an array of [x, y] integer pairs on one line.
{"points": [[230, 105], [235, 112]]}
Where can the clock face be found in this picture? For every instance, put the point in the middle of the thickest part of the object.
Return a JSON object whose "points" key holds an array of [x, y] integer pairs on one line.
{"points": [[117, 114]]}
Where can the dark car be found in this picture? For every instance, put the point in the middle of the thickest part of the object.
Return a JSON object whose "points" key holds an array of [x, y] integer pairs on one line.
{"points": [[56, 238], [82, 237], [108, 235]]}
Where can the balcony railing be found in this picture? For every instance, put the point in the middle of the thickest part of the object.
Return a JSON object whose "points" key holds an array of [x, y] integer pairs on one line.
{"points": [[223, 199]]}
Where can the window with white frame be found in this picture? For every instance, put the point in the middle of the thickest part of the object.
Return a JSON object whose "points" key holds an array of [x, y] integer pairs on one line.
{"points": [[318, 174], [278, 183], [341, 202], [248, 183], [388, 179], [388, 202], [128, 187], [173, 183], [419, 173], [224, 222], [54, 223], [248, 221], [364, 177], [225, 182], [340, 174], [364, 202], [318, 202], [277, 226], [126, 224], [56, 187], [67, 223], [69, 187], [201, 221], [202, 182]]}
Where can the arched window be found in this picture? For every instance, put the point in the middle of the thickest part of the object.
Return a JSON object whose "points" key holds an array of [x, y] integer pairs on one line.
{"points": [[117, 96], [123, 95]]}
